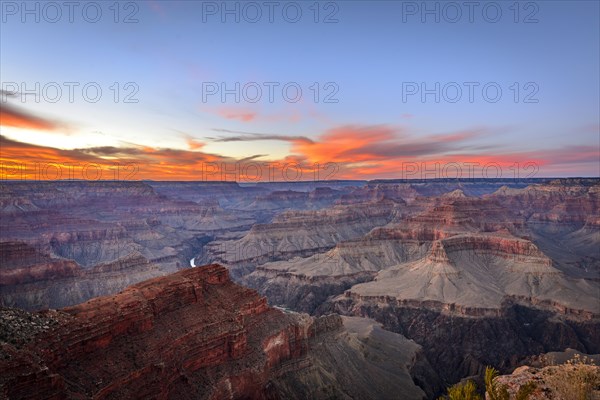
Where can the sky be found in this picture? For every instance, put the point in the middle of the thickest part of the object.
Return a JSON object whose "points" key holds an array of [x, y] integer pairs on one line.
{"points": [[284, 90]]}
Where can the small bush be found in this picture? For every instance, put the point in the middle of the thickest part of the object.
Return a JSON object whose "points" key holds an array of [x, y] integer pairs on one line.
{"points": [[525, 391], [462, 391], [494, 390], [577, 379]]}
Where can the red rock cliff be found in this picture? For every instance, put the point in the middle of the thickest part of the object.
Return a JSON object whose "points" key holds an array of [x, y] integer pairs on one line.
{"points": [[192, 334]]}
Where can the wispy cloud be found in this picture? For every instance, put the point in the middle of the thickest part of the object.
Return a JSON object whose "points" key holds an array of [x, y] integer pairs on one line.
{"points": [[18, 118], [237, 114], [249, 137], [354, 143], [254, 114], [193, 143]]}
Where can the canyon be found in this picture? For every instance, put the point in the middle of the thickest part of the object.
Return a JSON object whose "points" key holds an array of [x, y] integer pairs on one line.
{"points": [[445, 276], [197, 335]]}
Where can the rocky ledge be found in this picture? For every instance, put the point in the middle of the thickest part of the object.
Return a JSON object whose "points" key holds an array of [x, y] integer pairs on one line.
{"points": [[576, 379], [190, 335]]}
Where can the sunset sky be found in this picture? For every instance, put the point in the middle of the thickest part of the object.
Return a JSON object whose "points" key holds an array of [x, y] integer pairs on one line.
{"points": [[361, 67]]}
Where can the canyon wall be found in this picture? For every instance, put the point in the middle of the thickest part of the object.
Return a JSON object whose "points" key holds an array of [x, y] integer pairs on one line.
{"points": [[197, 335]]}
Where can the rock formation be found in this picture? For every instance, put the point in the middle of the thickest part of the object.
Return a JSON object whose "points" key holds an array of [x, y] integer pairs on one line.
{"points": [[62, 243], [573, 380], [299, 233], [196, 335], [460, 269]]}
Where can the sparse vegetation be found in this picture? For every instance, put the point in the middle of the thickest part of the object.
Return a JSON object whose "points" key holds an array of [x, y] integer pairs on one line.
{"points": [[462, 391], [577, 379], [494, 390], [499, 391], [525, 391], [18, 327]]}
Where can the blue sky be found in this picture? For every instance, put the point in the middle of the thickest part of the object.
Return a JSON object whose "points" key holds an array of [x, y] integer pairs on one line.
{"points": [[369, 56]]}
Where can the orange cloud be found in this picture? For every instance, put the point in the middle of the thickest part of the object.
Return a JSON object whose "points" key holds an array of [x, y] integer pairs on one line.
{"points": [[346, 152], [14, 117], [252, 114], [372, 152], [24, 161], [344, 144], [193, 143], [237, 114]]}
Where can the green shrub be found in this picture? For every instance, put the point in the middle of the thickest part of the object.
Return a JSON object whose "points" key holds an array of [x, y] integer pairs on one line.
{"points": [[525, 391], [494, 390], [463, 391]]}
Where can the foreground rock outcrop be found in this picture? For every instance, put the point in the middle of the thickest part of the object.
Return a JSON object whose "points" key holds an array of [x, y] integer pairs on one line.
{"points": [[576, 379], [197, 335]]}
